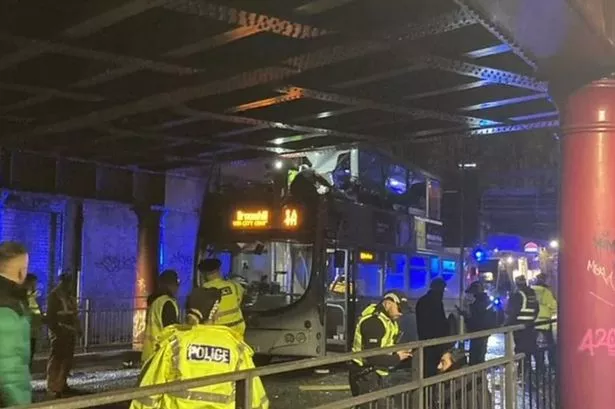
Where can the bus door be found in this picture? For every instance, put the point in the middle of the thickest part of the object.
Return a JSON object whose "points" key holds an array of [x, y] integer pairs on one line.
{"points": [[367, 284], [336, 297]]}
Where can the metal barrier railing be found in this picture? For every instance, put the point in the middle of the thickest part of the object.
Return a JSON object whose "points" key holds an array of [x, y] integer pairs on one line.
{"points": [[102, 327], [506, 382]]}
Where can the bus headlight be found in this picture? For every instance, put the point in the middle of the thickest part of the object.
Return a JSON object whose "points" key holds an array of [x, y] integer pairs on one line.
{"points": [[301, 338]]}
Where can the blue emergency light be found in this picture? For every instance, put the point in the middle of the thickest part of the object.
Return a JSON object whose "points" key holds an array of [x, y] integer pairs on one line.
{"points": [[479, 255]]}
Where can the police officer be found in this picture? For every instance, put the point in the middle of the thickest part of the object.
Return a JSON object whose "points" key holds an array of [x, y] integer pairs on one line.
{"points": [[162, 311], [547, 311], [523, 309], [377, 328], [201, 348], [232, 295], [64, 325], [478, 316]]}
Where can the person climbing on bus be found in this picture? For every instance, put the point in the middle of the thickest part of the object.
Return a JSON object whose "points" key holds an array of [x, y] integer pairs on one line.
{"points": [[162, 311], [377, 328], [304, 184], [232, 295], [196, 349]]}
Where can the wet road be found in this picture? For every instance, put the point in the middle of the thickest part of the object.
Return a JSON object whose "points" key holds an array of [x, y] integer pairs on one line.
{"points": [[296, 390]]}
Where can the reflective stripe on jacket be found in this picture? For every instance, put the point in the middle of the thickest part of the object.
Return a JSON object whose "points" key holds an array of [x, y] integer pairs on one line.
{"points": [[187, 352], [37, 316], [389, 339], [154, 326], [547, 306], [229, 312], [62, 313], [529, 306]]}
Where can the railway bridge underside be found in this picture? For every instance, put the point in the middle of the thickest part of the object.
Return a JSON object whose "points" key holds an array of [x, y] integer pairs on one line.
{"points": [[161, 84]]}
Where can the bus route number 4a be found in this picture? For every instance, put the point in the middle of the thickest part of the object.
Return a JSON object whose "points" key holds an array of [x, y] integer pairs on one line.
{"points": [[291, 218]]}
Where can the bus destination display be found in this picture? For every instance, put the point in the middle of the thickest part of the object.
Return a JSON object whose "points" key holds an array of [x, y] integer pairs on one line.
{"points": [[288, 218]]}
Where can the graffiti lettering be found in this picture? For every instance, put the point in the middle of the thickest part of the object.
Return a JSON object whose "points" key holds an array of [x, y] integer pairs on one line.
{"points": [[596, 339], [116, 263], [179, 259], [602, 272]]}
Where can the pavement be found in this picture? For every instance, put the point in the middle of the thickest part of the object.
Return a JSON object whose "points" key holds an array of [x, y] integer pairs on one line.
{"points": [[102, 371]]}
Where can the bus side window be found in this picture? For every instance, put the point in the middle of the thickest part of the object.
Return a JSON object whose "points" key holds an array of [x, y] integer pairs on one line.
{"points": [[396, 272], [418, 276]]}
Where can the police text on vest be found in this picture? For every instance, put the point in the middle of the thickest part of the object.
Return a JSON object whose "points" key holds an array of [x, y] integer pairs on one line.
{"points": [[208, 353]]}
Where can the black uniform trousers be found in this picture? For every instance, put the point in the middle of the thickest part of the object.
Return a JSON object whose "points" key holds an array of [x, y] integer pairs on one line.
{"points": [[364, 381], [478, 350]]}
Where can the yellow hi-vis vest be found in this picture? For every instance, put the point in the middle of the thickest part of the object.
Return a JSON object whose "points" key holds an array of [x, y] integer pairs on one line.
{"points": [[153, 326], [529, 308], [187, 352], [229, 311], [390, 336], [37, 317], [547, 307], [292, 174]]}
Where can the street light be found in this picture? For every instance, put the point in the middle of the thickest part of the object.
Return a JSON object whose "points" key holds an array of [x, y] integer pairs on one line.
{"points": [[554, 244], [510, 260], [278, 164]]}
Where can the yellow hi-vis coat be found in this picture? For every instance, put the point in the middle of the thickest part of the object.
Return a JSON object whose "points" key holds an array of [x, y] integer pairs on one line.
{"points": [[37, 316], [547, 306], [229, 312], [187, 352], [390, 338], [153, 325]]}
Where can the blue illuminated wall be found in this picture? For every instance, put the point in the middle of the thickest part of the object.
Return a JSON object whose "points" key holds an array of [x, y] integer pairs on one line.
{"points": [[34, 230], [109, 255], [178, 241]]}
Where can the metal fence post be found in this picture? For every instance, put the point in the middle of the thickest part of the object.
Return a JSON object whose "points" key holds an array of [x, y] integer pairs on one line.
{"points": [[243, 393], [510, 398], [418, 365], [86, 326]]}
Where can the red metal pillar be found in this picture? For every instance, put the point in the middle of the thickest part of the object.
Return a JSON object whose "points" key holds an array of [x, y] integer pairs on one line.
{"points": [[148, 248], [586, 286]]}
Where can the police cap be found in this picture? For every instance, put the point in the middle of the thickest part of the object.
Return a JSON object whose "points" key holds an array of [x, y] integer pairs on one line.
{"points": [[399, 298], [202, 303], [209, 265]]}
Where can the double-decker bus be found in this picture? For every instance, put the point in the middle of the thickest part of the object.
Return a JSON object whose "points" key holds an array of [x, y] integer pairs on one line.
{"points": [[312, 267]]}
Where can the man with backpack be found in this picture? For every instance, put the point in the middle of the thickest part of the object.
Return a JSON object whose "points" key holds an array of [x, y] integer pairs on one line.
{"points": [[479, 316]]}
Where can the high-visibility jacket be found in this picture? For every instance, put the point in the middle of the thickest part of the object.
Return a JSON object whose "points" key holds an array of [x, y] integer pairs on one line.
{"points": [[62, 313], [229, 311], [390, 337], [292, 174], [187, 352], [529, 306], [154, 326], [547, 306], [37, 316]]}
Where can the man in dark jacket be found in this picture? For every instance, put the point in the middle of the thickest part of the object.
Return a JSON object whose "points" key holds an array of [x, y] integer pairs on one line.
{"points": [[432, 323], [15, 376], [64, 325], [479, 316]]}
